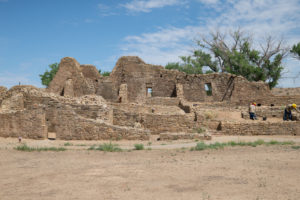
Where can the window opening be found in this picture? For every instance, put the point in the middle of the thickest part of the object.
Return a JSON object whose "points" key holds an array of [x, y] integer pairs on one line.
{"points": [[208, 89], [149, 92]]}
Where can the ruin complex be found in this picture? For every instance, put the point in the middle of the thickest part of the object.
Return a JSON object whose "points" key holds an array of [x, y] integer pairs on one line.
{"points": [[138, 100]]}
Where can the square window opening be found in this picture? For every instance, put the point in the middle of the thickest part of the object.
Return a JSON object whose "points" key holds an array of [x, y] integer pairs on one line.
{"points": [[208, 89]]}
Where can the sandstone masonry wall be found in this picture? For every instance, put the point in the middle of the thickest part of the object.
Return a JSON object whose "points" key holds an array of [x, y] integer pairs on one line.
{"points": [[261, 128], [27, 124], [132, 80], [156, 123]]}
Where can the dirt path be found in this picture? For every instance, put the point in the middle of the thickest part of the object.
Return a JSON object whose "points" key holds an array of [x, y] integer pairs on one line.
{"points": [[10, 143], [236, 173]]}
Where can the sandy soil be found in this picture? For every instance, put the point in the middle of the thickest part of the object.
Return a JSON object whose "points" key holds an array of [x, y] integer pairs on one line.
{"points": [[235, 173]]}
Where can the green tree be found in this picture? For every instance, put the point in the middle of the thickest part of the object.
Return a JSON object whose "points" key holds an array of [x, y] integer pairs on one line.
{"points": [[47, 77], [236, 55], [296, 50], [194, 64], [105, 73]]}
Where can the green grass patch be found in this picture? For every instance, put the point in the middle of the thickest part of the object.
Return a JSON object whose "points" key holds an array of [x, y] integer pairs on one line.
{"points": [[295, 147], [138, 146], [68, 144], [274, 142], [93, 147], [202, 146], [80, 145], [26, 148], [108, 147]]}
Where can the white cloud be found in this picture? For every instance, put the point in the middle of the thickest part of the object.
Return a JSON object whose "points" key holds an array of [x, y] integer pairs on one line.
{"points": [[105, 10], [259, 17], [148, 5], [163, 46], [209, 2]]}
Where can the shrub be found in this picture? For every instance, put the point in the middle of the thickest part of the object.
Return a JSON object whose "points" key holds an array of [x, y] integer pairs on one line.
{"points": [[209, 115], [138, 146], [108, 147], [68, 144], [26, 148], [199, 147]]}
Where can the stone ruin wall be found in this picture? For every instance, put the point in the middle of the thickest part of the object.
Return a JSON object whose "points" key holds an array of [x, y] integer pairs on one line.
{"points": [[73, 79], [2, 93], [164, 83], [286, 91], [36, 114], [27, 124], [72, 106], [157, 123], [131, 77], [260, 128]]}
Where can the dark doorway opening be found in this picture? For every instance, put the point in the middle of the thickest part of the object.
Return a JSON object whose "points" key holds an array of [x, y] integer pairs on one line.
{"points": [[208, 89]]}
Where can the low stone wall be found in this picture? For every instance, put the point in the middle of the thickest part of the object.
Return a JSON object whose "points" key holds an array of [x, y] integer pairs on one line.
{"points": [[32, 124], [85, 129], [169, 123], [68, 125], [184, 136], [156, 123], [27, 124], [269, 111], [260, 128], [275, 100], [165, 101]]}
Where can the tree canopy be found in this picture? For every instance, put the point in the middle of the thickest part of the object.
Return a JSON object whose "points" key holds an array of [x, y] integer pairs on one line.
{"points": [[236, 54], [296, 50], [47, 77]]}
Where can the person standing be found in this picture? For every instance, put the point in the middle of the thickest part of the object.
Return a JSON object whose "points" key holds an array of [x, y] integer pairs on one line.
{"points": [[252, 111], [288, 111]]}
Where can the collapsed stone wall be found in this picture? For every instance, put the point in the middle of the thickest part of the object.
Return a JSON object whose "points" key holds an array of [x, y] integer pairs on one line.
{"points": [[136, 100], [132, 80], [281, 100], [35, 114], [73, 79], [2, 92], [286, 91], [164, 83], [157, 123], [260, 128]]}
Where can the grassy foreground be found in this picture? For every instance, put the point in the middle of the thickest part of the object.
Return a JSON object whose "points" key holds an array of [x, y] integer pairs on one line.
{"points": [[108, 147], [202, 146], [24, 147]]}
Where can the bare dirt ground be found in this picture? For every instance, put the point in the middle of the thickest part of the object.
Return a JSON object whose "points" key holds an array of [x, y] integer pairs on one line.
{"points": [[168, 171]]}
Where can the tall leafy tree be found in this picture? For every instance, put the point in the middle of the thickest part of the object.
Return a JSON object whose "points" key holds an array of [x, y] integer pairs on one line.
{"points": [[236, 54], [47, 77], [296, 50]]}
